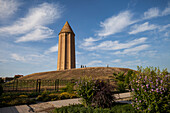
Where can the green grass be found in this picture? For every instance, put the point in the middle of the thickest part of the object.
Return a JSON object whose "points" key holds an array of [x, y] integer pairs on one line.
{"points": [[117, 108]]}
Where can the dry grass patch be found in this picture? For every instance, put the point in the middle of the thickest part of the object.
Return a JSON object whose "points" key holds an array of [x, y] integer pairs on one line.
{"points": [[94, 72]]}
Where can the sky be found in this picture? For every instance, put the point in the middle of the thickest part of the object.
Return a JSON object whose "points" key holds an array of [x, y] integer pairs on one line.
{"points": [[118, 33]]}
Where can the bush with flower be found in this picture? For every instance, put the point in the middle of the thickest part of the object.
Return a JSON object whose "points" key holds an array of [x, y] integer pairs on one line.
{"points": [[150, 90]]}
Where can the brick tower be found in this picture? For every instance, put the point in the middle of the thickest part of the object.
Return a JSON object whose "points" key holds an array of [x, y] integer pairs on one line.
{"points": [[66, 48]]}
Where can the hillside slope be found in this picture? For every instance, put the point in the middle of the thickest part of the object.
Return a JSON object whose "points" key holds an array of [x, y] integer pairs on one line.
{"points": [[95, 72]]}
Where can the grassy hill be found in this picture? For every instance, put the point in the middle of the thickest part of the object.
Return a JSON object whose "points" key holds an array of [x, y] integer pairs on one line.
{"points": [[95, 72]]}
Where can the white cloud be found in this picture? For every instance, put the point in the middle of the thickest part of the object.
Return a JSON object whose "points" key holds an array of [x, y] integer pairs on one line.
{"points": [[164, 27], [155, 12], [151, 13], [39, 33], [18, 57], [78, 53], [143, 27], [89, 41], [8, 8], [166, 11], [167, 34], [115, 24], [42, 15], [95, 62], [39, 16], [167, 39], [33, 58], [52, 49], [94, 54], [133, 51], [115, 45], [150, 53], [3, 60], [130, 63], [116, 61], [133, 63]]}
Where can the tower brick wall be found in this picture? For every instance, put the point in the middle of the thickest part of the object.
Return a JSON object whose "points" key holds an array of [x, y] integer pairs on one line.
{"points": [[66, 48]]}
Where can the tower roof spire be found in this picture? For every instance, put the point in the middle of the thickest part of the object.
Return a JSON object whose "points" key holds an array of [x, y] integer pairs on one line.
{"points": [[66, 28]]}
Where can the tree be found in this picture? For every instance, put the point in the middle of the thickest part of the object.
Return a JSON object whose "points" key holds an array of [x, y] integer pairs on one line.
{"points": [[120, 79]]}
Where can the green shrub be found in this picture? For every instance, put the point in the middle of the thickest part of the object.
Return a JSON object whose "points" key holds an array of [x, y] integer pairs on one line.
{"points": [[102, 96], [33, 94], [95, 92], [120, 80], [1, 90], [69, 87], [43, 97], [64, 95], [122, 108], [10, 99], [121, 86], [19, 101], [16, 101], [85, 90], [73, 95], [54, 96], [119, 77], [150, 89], [23, 96], [17, 94], [127, 79]]}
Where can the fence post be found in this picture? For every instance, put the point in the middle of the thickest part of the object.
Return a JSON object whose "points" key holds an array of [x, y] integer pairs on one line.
{"points": [[13, 84], [37, 86], [58, 85], [39, 83], [55, 84], [108, 81], [16, 84]]}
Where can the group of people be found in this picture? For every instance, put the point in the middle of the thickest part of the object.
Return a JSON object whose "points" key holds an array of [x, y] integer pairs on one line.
{"points": [[83, 66]]}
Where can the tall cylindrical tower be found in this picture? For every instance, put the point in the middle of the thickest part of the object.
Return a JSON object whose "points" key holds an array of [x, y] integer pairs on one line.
{"points": [[66, 48]]}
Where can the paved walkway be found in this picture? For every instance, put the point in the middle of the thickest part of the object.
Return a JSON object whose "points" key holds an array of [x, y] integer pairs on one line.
{"points": [[122, 96], [45, 106]]}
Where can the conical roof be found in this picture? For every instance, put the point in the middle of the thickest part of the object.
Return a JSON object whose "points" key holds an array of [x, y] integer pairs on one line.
{"points": [[66, 28]]}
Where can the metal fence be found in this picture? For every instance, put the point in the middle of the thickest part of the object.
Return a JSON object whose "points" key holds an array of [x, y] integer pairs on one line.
{"points": [[35, 85]]}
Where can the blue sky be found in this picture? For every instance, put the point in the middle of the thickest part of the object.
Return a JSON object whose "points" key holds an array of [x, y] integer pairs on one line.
{"points": [[123, 33]]}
